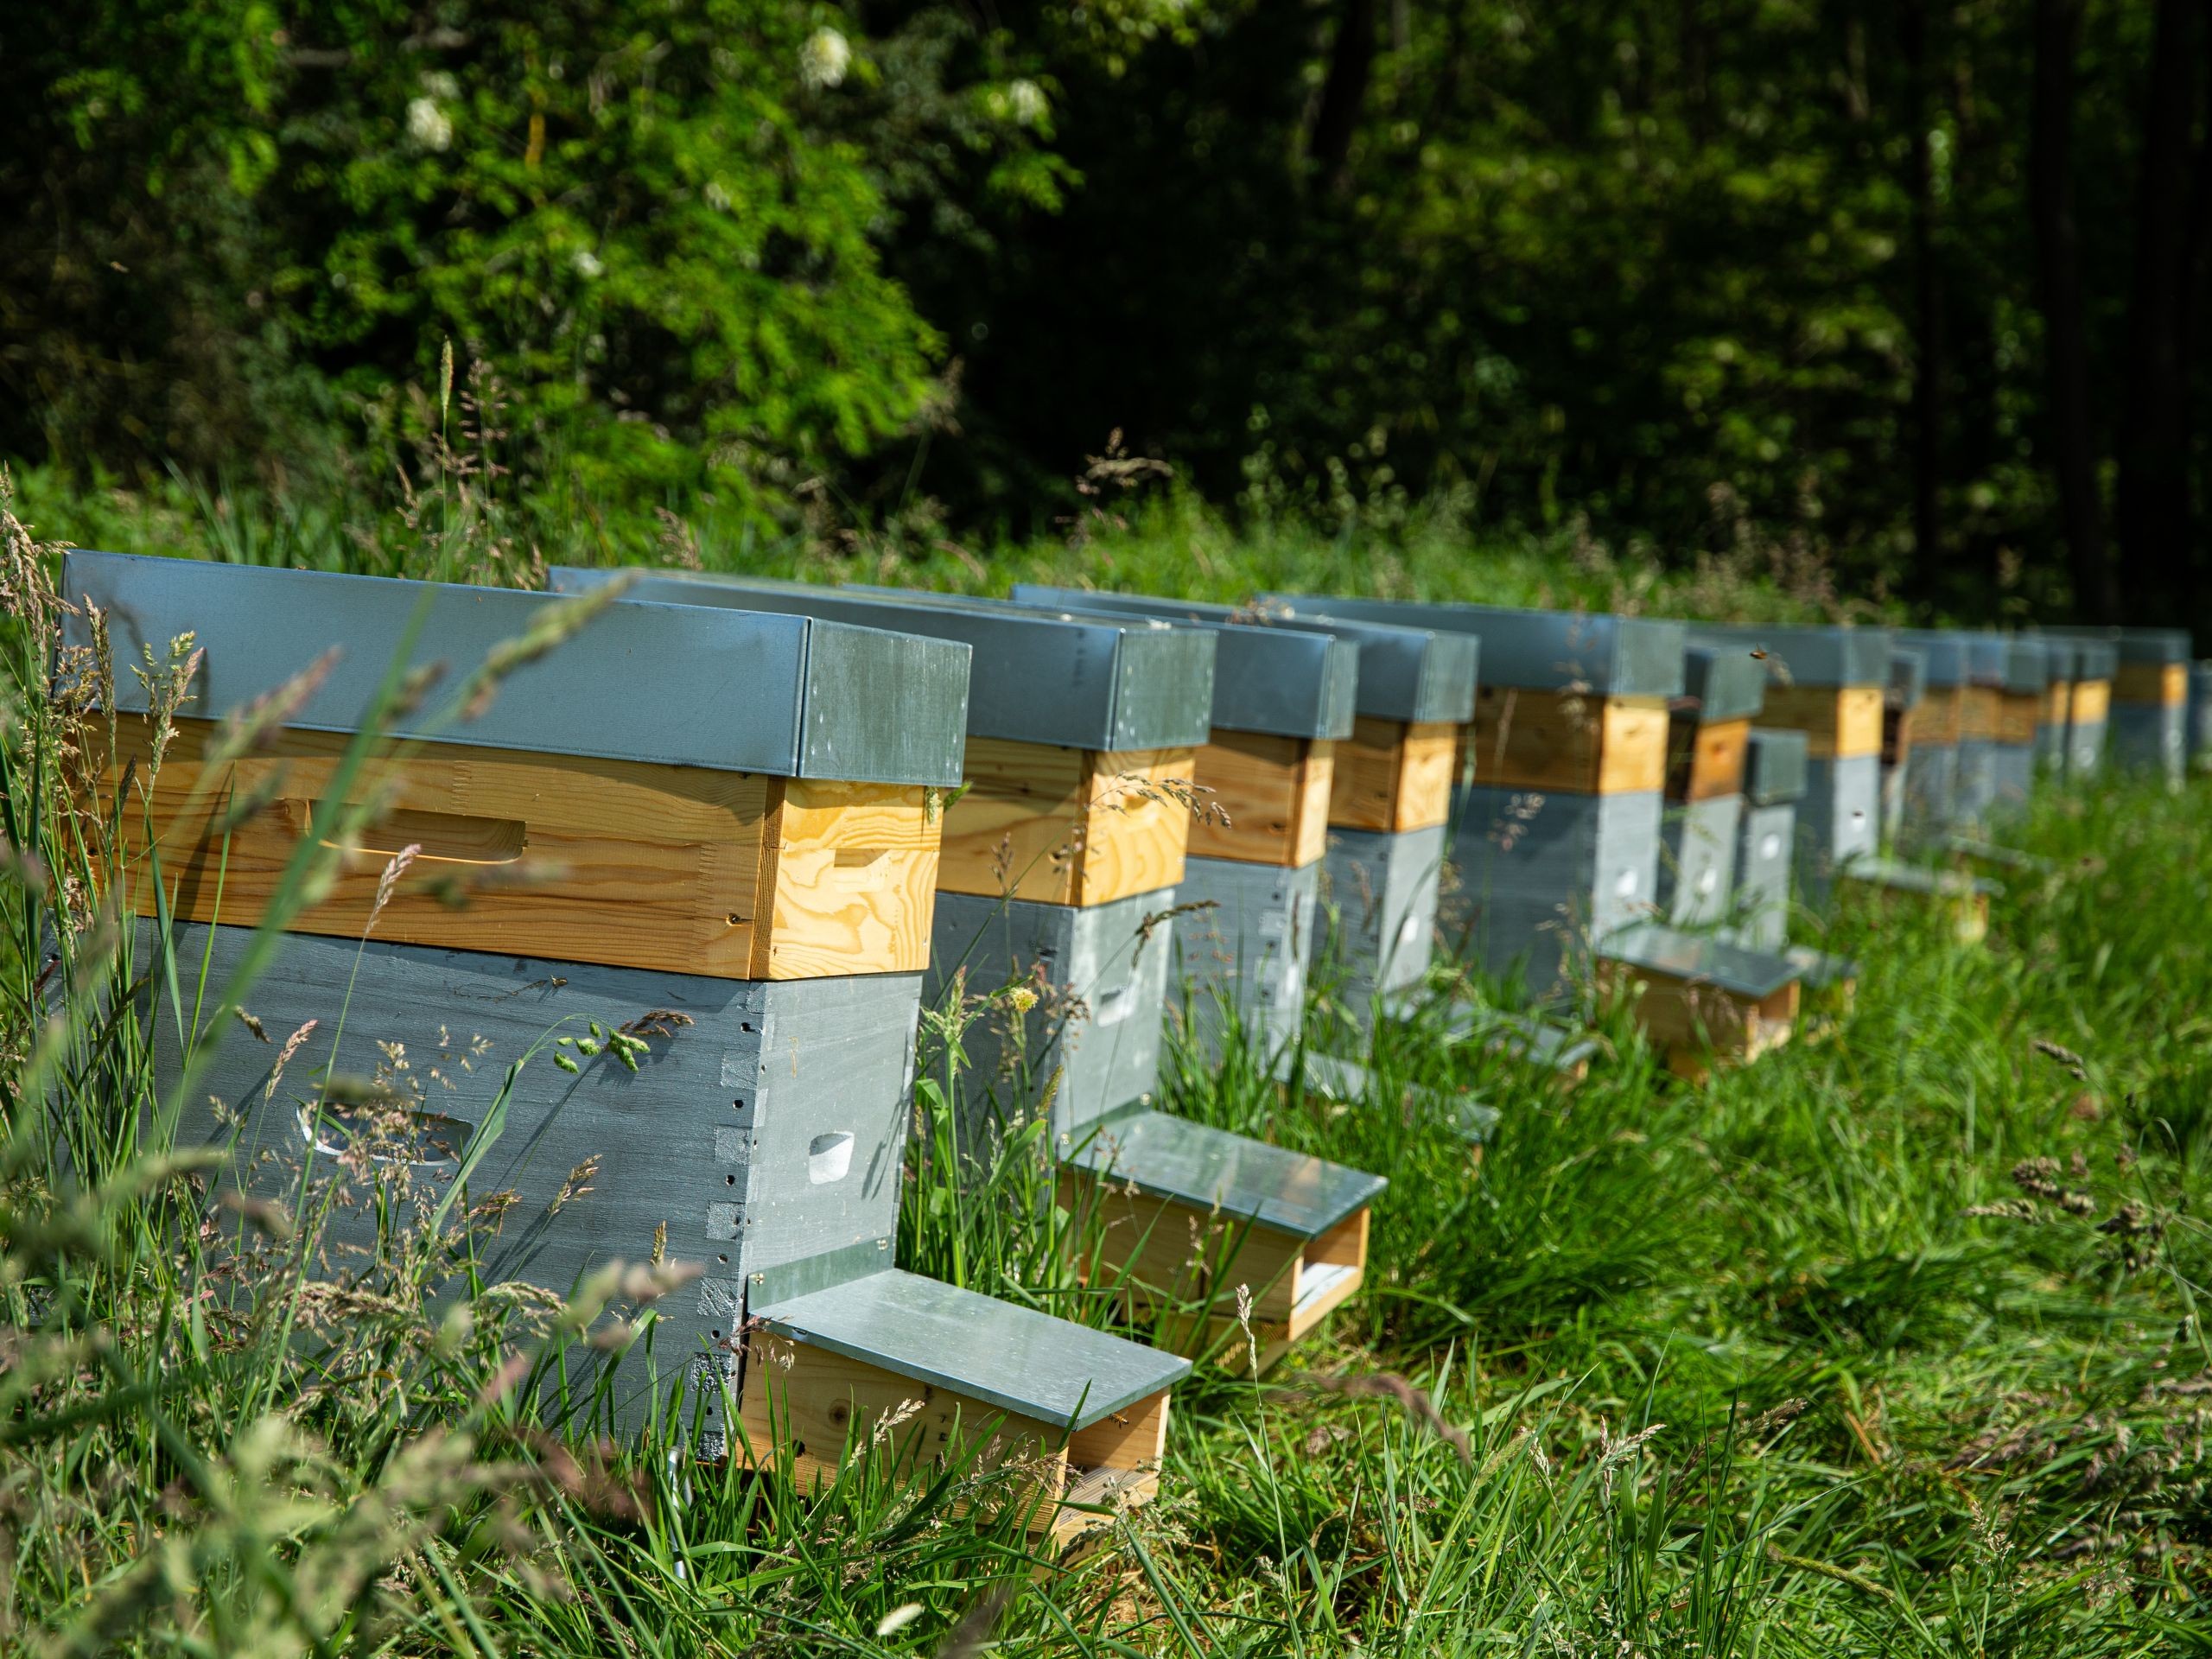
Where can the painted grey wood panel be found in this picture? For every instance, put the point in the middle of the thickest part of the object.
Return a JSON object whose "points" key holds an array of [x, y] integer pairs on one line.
{"points": [[1279, 681], [765, 1124], [1728, 681], [1537, 876], [1033, 678], [1612, 656], [1699, 959], [1942, 653], [1774, 766], [1765, 841], [2200, 715], [1839, 820], [1101, 974], [1809, 656], [1248, 958], [1404, 673], [1011, 1358], [731, 690], [1213, 1170], [1380, 892], [1696, 868]]}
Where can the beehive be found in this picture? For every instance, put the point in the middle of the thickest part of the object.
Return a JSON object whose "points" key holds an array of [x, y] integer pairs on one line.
{"points": [[1284, 703], [2022, 700], [1555, 833], [1704, 1002], [2149, 712], [2089, 704], [2060, 671], [1901, 706], [616, 1077]]}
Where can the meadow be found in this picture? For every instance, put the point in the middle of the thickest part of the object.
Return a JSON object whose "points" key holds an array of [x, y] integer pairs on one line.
{"points": [[1890, 1344]]}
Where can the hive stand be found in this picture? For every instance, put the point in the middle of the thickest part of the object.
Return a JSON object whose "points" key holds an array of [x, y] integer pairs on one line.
{"points": [[574, 1111], [1703, 1002], [1961, 899], [1932, 784], [2022, 699], [2149, 715], [1049, 684], [1828, 684], [1284, 700], [1708, 733], [2059, 674], [2089, 703], [1901, 703]]}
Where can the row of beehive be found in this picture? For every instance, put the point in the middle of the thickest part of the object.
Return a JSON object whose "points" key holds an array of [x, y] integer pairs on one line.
{"points": [[736, 827]]}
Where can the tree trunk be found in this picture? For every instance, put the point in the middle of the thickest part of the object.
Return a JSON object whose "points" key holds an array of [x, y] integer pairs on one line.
{"points": [[1927, 297], [1344, 94], [2154, 429], [2058, 282]]}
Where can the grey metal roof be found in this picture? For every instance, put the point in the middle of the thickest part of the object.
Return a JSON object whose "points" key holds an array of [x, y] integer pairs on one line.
{"points": [[1034, 678], [1405, 673], [1818, 970], [1614, 656], [1014, 1358], [1943, 650], [1774, 768], [1987, 658], [2135, 645], [1287, 682], [2027, 663], [1728, 684], [2095, 659], [1699, 959], [1809, 656], [1212, 1169], [1908, 676], [731, 690], [1911, 878]]}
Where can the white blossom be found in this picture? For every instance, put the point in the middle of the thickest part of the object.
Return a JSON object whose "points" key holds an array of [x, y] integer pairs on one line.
{"points": [[441, 86], [825, 58], [588, 263], [428, 125], [1025, 98]]}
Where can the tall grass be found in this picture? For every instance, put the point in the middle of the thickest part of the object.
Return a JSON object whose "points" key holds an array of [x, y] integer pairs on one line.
{"points": [[1891, 1344]]}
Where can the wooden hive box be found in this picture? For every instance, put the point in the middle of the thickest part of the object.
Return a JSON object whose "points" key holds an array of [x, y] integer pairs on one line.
{"points": [[1708, 736], [585, 813], [1702, 1002], [1555, 822], [1184, 1215]]}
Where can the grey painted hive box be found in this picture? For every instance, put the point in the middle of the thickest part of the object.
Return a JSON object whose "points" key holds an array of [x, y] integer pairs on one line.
{"points": [[1244, 948]]}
